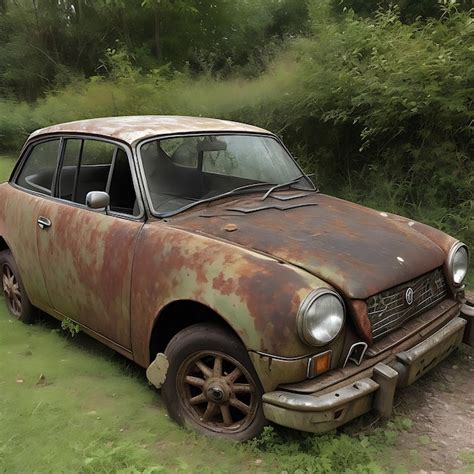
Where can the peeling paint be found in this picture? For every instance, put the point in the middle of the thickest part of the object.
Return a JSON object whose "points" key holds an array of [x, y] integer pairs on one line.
{"points": [[157, 370]]}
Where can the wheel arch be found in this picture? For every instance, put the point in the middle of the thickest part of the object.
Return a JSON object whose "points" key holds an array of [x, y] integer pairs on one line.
{"points": [[3, 244], [178, 315]]}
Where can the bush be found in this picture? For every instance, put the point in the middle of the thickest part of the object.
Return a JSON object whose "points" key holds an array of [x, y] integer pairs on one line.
{"points": [[380, 109]]}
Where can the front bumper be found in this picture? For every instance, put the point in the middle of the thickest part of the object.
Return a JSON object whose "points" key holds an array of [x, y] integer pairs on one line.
{"points": [[320, 413]]}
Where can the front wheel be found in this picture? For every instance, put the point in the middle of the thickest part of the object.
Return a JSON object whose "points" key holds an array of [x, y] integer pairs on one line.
{"points": [[211, 385]]}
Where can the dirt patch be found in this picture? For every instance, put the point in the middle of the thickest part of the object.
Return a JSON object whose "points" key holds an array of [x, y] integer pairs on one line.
{"points": [[441, 405]]}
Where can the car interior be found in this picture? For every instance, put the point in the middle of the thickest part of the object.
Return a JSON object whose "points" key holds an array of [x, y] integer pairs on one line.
{"points": [[173, 184], [76, 181]]}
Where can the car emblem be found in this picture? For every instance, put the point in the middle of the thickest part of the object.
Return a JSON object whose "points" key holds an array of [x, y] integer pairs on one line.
{"points": [[409, 296]]}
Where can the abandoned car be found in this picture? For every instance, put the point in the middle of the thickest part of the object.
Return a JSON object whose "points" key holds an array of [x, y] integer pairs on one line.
{"points": [[199, 249]]}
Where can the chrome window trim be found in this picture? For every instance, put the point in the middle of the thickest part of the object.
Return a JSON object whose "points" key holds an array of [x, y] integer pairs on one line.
{"points": [[137, 148]]}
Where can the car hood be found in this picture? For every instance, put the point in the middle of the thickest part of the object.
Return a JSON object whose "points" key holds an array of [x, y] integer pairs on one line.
{"points": [[357, 250]]}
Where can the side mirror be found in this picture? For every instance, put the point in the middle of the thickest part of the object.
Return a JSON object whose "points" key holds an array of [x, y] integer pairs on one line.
{"points": [[97, 200]]}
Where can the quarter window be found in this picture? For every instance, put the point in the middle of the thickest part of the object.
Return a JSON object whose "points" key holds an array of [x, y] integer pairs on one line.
{"points": [[39, 170]]}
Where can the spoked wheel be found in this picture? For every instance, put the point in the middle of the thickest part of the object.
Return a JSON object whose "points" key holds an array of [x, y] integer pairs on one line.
{"points": [[211, 385], [11, 290], [16, 298], [218, 392]]}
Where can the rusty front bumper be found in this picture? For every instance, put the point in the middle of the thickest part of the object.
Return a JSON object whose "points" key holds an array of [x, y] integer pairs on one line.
{"points": [[320, 413]]}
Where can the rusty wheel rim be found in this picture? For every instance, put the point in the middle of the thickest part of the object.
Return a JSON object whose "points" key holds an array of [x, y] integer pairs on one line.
{"points": [[218, 392], [11, 290]]}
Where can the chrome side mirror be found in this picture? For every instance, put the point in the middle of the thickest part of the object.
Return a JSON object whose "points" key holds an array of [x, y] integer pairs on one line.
{"points": [[97, 200]]}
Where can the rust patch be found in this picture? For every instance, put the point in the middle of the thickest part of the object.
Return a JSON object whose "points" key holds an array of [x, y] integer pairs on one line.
{"points": [[230, 227], [361, 320], [357, 250], [256, 295]]}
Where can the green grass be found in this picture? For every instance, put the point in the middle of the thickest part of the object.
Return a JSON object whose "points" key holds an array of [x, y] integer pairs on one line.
{"points": [[94, 412], [6, 166]]}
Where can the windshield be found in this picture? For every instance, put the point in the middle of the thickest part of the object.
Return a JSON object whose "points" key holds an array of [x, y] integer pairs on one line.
{"points": [[183, 170]]}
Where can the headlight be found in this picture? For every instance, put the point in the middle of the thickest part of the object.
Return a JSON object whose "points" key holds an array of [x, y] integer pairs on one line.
{"points": [[320, 317], [458, 262]]}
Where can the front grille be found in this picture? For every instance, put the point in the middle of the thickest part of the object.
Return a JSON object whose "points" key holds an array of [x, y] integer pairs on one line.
{"points": [[390, 309]]}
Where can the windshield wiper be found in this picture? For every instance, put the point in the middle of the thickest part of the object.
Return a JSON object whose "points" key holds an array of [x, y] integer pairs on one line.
{"points": [[282, 185], [236, 191], [215, 198]]}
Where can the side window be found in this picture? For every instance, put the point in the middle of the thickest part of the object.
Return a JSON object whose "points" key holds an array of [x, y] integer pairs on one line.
{"points": [[38, 172], [94, 169], [68, 174], [122, 193], [93, 165]]}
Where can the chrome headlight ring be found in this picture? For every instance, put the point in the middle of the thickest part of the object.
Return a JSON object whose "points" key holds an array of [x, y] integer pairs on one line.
{"points": [[458, 263], [321, 317]]}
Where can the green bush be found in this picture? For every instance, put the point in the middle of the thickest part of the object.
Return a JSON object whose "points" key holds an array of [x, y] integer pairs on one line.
{"points": [[379, 109]]}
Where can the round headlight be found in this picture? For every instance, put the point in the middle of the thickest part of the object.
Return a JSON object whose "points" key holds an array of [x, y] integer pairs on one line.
{"points": [[320, 317], [458, 263]]}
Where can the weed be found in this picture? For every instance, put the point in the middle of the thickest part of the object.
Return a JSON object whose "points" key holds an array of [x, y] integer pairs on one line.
{"points": [[70, 326]]}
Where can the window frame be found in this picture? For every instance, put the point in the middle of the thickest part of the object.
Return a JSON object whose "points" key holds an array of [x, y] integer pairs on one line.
{"points": [[141, 169], [28, 147], [24, 157]]}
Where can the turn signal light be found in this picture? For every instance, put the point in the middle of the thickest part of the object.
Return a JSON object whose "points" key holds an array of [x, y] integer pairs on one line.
{"points": [[319, 364]]}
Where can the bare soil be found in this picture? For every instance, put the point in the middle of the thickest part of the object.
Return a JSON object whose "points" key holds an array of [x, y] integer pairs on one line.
{"points": [[441, 405]]}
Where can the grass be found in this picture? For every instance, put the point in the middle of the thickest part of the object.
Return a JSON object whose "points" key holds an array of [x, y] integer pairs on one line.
{"points": [[6, 166], [79, 407]]}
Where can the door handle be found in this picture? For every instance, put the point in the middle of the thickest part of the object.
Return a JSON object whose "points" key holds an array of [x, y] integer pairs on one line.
{"points": [[43, 222]]}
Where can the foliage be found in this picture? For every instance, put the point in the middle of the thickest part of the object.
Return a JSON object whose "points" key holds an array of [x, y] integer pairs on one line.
{"points": [[305, 453], [410, 10], [94, 412], [380, 108], [6, 166], [69, 326], [45, 44]]}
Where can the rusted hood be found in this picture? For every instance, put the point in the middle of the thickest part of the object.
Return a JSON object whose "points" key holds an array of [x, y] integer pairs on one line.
{"points": [[358, 250]]}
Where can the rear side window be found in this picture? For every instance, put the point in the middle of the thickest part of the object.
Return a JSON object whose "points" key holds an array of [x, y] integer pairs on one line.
{"points": [[39, 169]]}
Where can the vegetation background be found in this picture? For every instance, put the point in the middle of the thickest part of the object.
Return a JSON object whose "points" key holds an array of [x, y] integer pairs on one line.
{"points": [[375, 96]]}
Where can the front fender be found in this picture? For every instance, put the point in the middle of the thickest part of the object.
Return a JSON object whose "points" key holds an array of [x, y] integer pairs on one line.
{"points": [[256, 295]]}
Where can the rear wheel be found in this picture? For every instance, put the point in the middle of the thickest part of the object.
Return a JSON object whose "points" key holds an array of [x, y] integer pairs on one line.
{"points": [[16, 299], [211, 385]]}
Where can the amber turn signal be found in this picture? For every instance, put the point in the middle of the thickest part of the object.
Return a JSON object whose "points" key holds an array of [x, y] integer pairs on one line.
{"points": [[318, 364]]}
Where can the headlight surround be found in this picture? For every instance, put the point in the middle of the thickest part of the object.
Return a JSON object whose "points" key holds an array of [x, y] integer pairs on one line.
{"points": [[321, 317], [458, 263]]}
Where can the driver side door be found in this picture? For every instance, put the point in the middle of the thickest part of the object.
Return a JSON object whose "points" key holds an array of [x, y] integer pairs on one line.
{"points": [[87, 255]]}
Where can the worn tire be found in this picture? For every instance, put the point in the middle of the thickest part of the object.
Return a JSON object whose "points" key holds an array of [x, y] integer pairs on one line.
{"points": [[182, 351], [28, 312]]}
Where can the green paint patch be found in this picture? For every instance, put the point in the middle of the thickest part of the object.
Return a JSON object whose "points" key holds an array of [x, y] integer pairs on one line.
{"points": [[79, 407]]}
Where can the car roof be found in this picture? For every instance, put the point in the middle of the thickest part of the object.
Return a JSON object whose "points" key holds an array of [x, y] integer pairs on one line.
{"points": [[131, 129]]}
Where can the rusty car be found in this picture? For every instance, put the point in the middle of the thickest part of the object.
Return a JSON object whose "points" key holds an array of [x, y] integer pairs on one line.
{"points": [[200, 249]]}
